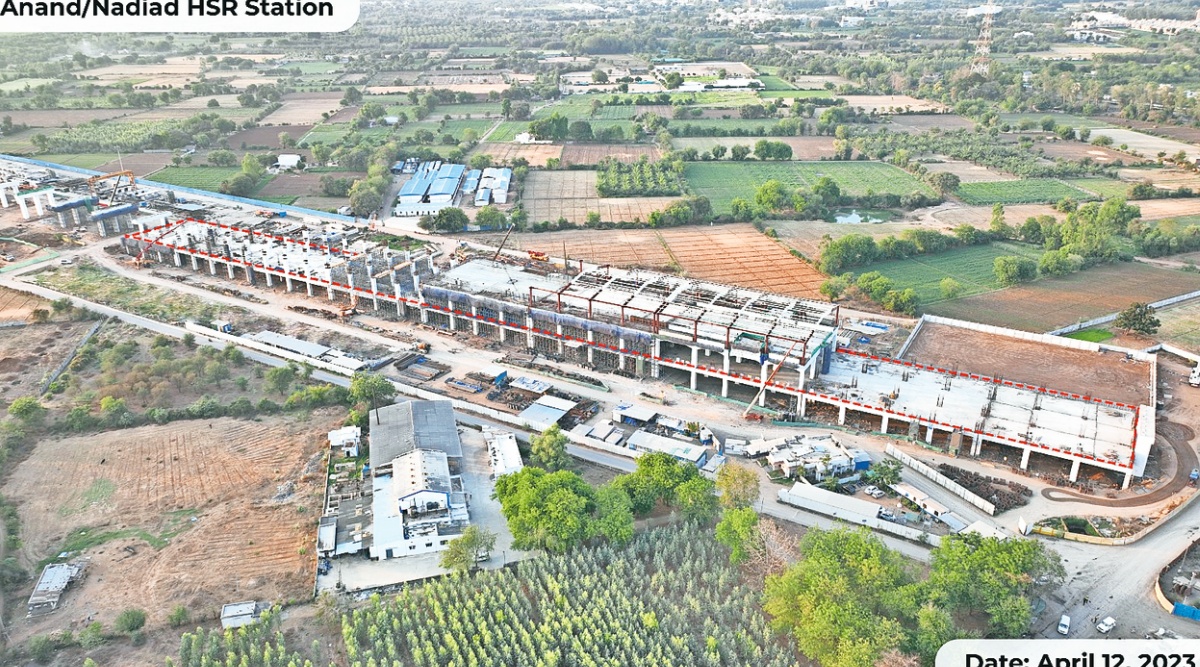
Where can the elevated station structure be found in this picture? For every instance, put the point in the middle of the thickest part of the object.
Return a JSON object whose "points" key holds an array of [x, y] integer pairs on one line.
{"points": [[729, 341]]}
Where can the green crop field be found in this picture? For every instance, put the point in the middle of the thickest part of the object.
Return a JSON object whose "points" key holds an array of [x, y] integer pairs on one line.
{"points": [[20, 84], [203, 178], [793, 94], [455, 127], [1091, 335], [579, 107], [755, 127], [81, 160], [772, 82], [722, 182], [328, 134], [1025, 191], [508, 130], [970, 266], [1103, 187], [314, 67]]}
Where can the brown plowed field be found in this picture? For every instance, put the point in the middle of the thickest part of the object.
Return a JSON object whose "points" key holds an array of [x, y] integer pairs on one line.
{"points": [[732, 254], [924, 122], [741, 255], [18, 306], [1046, 305], [303, 184], [141, 164], [1189, 135], [1076, 150], [594, 153], [1107, 376], [267, 135], [304, 109], [236, 502], [505, 152], [57, 117], [550, 195]]}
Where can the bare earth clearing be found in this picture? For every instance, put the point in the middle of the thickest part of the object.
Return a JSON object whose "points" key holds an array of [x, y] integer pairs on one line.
{"points": [[28, 354], [226, 495], [572, 194]]}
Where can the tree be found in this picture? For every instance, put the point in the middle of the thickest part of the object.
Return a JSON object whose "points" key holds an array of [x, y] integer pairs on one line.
{"points": [[371, 389], [885, 473], [129, 620], [656, 480], [771, 195], [944, 182], [28, 409], [92, 636], [549, 449], [353, 96], [738, 530], [839, 601], [950, 288], [998, 227], [719, 151], [834, 287], [41, 648], [365, 201], [599, 76], [281, 378], [321, 153], [490, 216], [580, 130], [739, 152], [480, 161], [545, 510], [697, 500], [214, 103], [1138, 318], [241, 185], [222, 158], [252, 167], [286, 140], [738, 484], [464, 552], [614, 516], [189, 340], [1011, 269]]}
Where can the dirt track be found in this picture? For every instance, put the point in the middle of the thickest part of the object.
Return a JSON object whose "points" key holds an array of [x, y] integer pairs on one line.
{"points": [[1179, 438]]}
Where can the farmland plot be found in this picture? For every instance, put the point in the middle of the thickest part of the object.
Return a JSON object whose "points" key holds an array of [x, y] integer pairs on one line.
{"points": [[550, 195], [722, 182], [803, 148], [1146, 144], [971, 267], [506, 152], [203, 178], [594, 153], [1024, 191], [178, 514]]}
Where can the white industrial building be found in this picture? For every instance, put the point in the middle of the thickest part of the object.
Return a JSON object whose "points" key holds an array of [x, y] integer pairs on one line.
{"points": [[345, 441], [503, 453], [418, 504]]}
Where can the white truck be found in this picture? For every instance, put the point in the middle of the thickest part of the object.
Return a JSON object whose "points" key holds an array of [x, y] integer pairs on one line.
{"points": [[1194, 379]]}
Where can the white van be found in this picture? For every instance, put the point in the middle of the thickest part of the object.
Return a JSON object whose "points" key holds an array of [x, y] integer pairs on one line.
{"points": [[1064, 625]]}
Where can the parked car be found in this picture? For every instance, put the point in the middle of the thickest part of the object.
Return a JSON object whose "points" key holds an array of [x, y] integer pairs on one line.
{"points": [[878, 493], [870, 489], [886, 514], [9, 258], [1106, 625], [1064, 625]]}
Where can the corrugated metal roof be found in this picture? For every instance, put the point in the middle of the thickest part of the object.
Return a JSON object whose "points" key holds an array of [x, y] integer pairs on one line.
{"points": [[541, 415], [291, 344], [443, 186], [400, 428]]}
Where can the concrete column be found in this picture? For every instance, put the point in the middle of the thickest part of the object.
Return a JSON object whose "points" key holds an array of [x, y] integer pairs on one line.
{"points": [[37, 203], [762, 397], [229, 269], [976, 444], [329, 289], [803, 407], [725, 378], [308, 285], [695, 361], [195, 263], [841, 415], [1025, 458], [1074, 470], [1128, 479], [884, 425], [212, 267], [424, 316], [929, 434], [475, 326], [562, 345], [591, 350], [287, 283], [24, 207], [529, 332], [270, 278], [178, 258]]}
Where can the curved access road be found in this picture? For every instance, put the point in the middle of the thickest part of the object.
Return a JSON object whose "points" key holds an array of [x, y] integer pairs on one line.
{"points": [[1179, 438]]}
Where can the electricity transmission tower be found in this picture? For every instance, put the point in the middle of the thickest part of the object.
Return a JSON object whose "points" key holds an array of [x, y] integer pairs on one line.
{"points": [[983, 46]]}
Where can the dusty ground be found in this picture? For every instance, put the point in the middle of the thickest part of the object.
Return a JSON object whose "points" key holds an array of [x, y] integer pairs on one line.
{"points": [[968, 172], [981, 216], [18, 306], [1166, 177], [141, 164], [1145, 144], [550, 195], [235, 501], [28, 353], [1076, 150], [505, 152], [593, 153], [287, 185], [61, 117], [1157, 209], [1190, 135], [892, 103], [304, 108], [1102, 375], [267, 135], [1045, 305], [1181, 325], [916, 124]]}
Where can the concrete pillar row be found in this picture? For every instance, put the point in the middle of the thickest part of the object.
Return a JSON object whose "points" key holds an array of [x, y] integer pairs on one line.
{"points": [[1074, 470], [1025, 458]]}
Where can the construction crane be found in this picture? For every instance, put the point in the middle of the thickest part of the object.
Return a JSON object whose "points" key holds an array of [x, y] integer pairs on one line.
{"points": [[137, 261], [116, 186], [502, 242], [770, 377], [982, 62]]}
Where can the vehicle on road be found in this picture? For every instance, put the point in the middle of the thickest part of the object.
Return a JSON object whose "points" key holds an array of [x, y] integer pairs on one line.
{"points": [[886, 514], [1106, 625], [1064, 625]]}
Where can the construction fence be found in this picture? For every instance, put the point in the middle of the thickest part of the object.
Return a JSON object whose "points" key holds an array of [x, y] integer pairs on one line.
{"points": [[941, 480]]}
